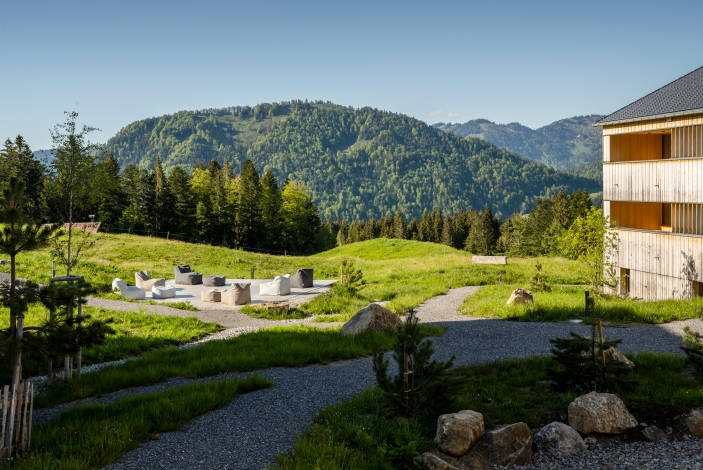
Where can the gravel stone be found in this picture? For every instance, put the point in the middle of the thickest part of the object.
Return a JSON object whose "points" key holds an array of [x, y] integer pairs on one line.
{"points": [[252, 429]]}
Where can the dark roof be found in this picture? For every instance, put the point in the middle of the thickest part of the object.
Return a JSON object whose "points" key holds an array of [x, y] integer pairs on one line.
{"points": [[679, 96]]}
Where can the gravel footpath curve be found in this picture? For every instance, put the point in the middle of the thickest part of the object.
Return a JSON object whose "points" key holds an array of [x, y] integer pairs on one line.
{"points": [[251, 430]]}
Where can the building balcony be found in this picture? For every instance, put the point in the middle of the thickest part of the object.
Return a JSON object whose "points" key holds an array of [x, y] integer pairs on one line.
{"points": [[676, 180]]}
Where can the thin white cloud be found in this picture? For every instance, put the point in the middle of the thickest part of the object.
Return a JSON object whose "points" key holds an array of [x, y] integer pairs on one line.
{"points": [[436, 112], [453, 115]]}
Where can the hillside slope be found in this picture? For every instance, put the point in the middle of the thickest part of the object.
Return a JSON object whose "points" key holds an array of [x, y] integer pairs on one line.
{"points": [[357, 163], [562, 144]]}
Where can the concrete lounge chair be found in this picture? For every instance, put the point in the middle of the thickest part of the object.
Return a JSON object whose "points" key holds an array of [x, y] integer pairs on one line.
{"points": [[184, 275], [142, 279], [214, 280], [279, 286], [238, 294], [130, 292], [302, 279], [163, 292]]}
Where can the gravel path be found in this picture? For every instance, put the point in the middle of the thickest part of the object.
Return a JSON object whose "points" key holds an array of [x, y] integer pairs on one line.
{"points": [[251, 430]]}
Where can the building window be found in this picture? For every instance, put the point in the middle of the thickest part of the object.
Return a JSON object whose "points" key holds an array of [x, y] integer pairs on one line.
{"points": [[697, 289], [624, 281], [666, 215]]}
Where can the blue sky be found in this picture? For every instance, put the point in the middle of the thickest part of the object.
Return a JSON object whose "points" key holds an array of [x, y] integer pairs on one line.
{"points": [[530, 62]]}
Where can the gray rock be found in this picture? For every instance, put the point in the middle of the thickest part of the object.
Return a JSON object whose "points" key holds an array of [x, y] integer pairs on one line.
{"points": [[653, 433], [457, 432], [430, 461], [370, 319], [600, 412], [695, 423], [558, 440], [614, 355], [519, 296], [510, 445]]}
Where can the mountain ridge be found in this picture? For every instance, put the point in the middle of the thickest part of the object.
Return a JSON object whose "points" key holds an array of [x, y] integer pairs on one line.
{"points": [[356, 162], [563, 144]]}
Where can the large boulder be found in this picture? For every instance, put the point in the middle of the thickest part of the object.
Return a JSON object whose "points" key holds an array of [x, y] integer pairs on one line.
{"points": [[600, 412], [558, 440], [695, 423], [510, 445], [431, 461], [519, 296], [457, 432], [614, 355], [370, 319]]}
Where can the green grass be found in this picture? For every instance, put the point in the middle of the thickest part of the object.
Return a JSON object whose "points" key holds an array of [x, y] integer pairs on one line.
{"points": [[275, 347], [92, 436], [360, 433], [186, 305], [260, 312], [404, 272], [135, 333], [567, 302]]}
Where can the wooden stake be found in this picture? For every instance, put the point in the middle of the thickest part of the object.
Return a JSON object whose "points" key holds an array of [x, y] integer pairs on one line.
{"points": [[602, 351]]}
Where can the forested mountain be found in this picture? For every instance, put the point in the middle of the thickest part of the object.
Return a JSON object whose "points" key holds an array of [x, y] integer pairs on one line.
{"points": [[356, 163], [562, 144]]}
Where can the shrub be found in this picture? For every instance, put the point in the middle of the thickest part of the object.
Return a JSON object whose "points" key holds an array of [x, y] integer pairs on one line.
{"points": [[693, 347], [422, 384], [538, 283], [582, 365]]}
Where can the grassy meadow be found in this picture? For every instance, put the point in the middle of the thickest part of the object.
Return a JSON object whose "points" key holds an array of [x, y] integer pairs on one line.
{"points": [[135, 333], [567, 303], [403, 272]]}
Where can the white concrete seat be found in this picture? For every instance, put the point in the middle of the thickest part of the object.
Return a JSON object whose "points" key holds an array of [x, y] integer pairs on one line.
{"points": [[279, 286], [163, 292], [130, 292]]}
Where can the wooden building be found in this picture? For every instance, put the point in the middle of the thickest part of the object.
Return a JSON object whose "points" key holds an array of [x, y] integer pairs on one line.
{"points": [[653, 190]]}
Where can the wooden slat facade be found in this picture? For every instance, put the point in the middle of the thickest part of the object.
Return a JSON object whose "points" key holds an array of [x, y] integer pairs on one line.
{"points": [[653, 170], [662, 265], [678, 180]]}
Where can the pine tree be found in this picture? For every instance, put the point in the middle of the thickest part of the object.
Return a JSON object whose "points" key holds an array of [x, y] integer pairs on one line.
{"points": [[248, 209], [183, 203], [399, 225], [163, 200], [271, 211], [483, 235], [17, 160], [109, 196]]}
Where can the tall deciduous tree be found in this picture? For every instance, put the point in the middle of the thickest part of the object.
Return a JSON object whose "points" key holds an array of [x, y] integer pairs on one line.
{"points": [[72, 171], [301, 219]]}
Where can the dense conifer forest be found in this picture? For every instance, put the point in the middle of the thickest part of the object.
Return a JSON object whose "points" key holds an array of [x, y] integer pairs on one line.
{"points": [[355, 163]]}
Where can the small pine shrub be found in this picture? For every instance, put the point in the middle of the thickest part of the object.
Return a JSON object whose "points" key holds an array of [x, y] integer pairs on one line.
{"points": [[693, 347], [421, 384], [351, 278], [537, 282], [579, 365]]}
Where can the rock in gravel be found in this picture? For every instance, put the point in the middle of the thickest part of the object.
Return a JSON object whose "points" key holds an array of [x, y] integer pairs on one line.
{"points": [[614, 355], [653, 433], [695, 423], [457, 432], [430, 461], [510, 445], [557, 440], [600, 412], [519, 296], [370, 319]]}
